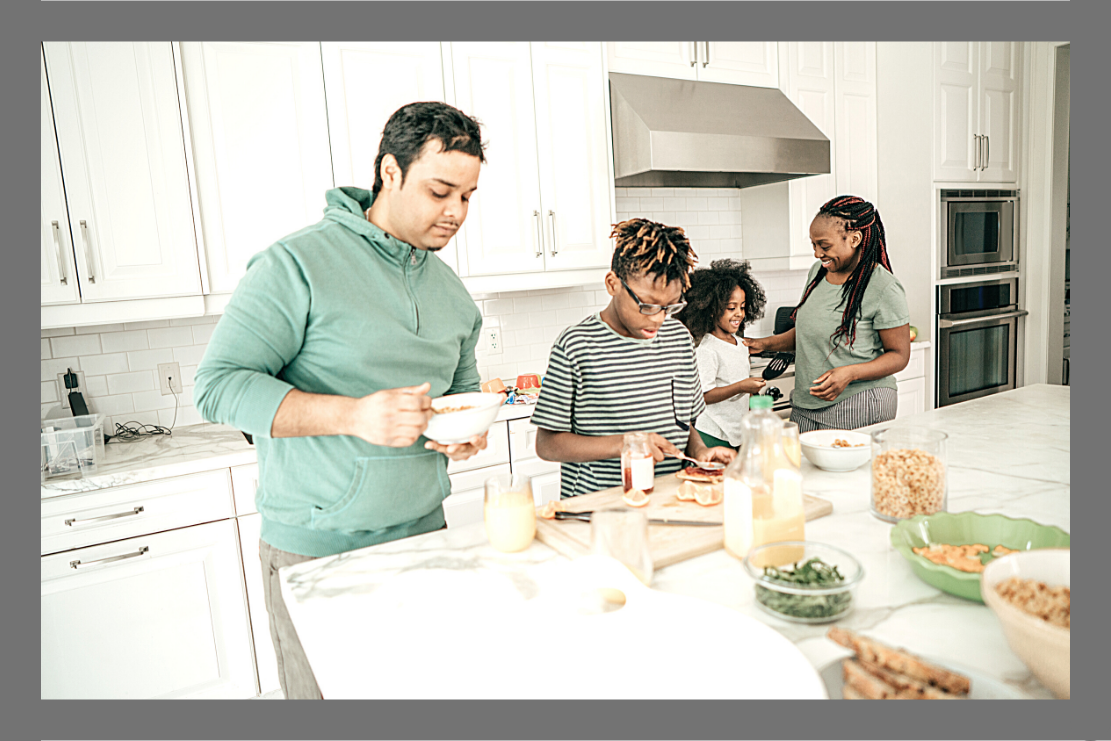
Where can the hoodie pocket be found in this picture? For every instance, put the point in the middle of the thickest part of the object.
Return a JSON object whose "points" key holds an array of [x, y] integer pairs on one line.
{"points": [[386, 492]]}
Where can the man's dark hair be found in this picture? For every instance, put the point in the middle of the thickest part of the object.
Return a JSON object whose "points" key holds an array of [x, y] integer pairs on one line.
{"points": [[709, 294], [648, 248], [411, 126]]}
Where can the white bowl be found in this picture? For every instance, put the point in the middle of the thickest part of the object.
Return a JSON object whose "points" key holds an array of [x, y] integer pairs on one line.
{"points": [[1044, 648], [817, 446], [459, 427]]}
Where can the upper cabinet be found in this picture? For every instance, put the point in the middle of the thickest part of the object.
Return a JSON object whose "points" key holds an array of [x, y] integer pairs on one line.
{"points": [[122, 157], [977, 104], [543, 203], [259, 129], [58, 274], [753, 63]]}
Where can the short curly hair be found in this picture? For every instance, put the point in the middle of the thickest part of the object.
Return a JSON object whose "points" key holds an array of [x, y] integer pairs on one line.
{"points": [[709, 294], [646, 247]]}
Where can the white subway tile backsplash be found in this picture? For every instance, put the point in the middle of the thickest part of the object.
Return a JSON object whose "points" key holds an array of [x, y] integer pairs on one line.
{"points": [[48, 391], [202, 333], [136, 339], [580, 298], [188, 375], [662, 192], [44, 349], [185, 416], [100, 365], [497, 307], [84, 344], [170, 337], [539, 319], [556, 301], [697, 204], [709, 217], [98, 328], [153, 324], [189, 321], [152, 400], [527, 304], [512, 322], [56, 332], [149, 359], [190, 355], [110, 405], [96, 385], [126, 383]]}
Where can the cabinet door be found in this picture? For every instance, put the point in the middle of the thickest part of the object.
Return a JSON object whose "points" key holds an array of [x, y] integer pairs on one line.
{"points": [[503, 230], [158, 616], [1000, 109], [655, 58], [810, 86], [575, 176], [753, 63], [855, 105], [123, 161], [956, 67], [266, 661], [257, 115], [366, 82], [57, 274], [912, 397]]}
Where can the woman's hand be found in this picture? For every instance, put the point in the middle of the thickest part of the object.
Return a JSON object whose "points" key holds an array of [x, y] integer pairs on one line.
{"points": [[831, 383], [718, 454], [755, 345]]}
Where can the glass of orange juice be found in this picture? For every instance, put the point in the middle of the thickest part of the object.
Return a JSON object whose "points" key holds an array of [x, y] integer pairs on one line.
{"points": [[509, 512], [622, 533], [789, 436]]}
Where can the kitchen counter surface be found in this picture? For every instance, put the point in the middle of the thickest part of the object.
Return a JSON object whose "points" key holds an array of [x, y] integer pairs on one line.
{"points": [[1008, 453], [192, 449]]}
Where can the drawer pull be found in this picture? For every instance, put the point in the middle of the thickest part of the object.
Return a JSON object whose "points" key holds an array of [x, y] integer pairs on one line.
{"points": [[136, 554], [72, 522]]}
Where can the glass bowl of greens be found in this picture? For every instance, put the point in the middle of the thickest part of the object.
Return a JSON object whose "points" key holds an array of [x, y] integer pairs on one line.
{"points": [[802, 581]]}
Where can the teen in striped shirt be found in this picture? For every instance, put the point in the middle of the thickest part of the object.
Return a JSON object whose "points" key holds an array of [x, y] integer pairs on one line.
{"points": [[628, 368]]}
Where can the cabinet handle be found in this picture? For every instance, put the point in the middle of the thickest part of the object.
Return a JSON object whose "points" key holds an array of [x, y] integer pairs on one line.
{"points": [[58, 251], [88, 252], [72, 522], [987, 150], [694, 53], [707, 62], [539, 235], [976, 152], [136, 554], [555, 248]]}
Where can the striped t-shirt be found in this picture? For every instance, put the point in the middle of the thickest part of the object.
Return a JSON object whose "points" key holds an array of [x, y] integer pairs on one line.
{"points": [[601, 383]]}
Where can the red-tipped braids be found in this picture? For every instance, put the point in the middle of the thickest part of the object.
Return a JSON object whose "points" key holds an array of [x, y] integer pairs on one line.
{"points": [[855, 215]]}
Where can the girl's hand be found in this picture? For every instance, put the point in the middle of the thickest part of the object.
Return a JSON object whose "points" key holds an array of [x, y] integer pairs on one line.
{"points": [[752, 385], [755, 344], [831, 383], [718, 454]]}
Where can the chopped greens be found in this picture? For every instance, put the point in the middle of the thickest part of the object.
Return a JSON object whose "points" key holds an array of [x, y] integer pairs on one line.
{"points": [[813, 573]]}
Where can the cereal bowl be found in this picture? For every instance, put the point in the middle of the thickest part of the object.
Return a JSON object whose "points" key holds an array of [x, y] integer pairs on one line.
{"points": [[459, 417], [818, 447], [1043, 646]]}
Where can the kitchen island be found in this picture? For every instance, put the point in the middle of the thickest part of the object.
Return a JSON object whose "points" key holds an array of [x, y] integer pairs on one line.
{"points": [[1007, 453]]}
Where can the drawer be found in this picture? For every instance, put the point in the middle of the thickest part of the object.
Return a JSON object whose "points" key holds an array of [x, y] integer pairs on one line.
{"points": [[916, 368], [120, 512], [244, 482], [522, 440], [495, 454]]}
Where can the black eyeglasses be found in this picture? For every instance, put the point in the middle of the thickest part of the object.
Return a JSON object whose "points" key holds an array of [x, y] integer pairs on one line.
{"points": [[651, 309]]}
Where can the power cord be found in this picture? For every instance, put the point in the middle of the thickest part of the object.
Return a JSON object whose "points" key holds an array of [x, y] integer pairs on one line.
{"points": [[129, 432]]}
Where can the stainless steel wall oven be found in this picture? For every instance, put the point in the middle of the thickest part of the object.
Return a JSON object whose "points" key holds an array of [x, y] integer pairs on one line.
{"points": [[979, 339]]}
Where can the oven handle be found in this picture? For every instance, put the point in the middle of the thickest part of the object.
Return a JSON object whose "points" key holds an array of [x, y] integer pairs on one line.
{"points": [[946, 323]]}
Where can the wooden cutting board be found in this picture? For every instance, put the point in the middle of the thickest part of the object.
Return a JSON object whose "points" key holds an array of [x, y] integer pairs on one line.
{"points": [[668, 543]]}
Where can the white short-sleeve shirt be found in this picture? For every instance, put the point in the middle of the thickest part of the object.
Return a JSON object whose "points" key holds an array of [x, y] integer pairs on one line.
{"points": [[721, 363]]}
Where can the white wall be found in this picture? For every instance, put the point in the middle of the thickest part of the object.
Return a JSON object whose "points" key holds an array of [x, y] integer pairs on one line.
{"points": [[120, 360]]}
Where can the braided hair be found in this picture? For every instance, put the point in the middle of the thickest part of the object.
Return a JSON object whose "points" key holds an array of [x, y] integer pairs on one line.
{"points": [[648, 248], [709, 294], [857, 215]]}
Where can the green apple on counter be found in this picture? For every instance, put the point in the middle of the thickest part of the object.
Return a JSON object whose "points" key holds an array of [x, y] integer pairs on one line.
{"points": [[913, 332]]}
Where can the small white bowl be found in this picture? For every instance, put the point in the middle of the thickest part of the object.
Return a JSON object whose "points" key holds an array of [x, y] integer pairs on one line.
{"points": [[1044, 648], [817, 446], [459, 427]]}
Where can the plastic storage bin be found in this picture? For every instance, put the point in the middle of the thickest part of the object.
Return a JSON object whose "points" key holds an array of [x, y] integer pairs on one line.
{"points": [[71, 445]]}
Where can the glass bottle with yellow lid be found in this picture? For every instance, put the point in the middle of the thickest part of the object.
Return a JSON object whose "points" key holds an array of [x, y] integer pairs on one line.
{"points": [[763, 490]]}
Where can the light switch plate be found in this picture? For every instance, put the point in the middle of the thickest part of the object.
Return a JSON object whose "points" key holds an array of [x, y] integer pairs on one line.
{"points": [[63, 392], [169, 376]]}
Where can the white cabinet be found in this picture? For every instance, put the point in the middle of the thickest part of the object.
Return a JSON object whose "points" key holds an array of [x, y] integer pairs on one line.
{"points": [[977, 98], [266, 661], [257, 116], [155, 616], [365, 83], [123, 166], [57, 271], [911, 382], [522, 450], [735, 62], [543, 203], [464, 506]]}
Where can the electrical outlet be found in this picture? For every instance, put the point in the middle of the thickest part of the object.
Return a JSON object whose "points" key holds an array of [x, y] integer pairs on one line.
{"points": [[63, 392], [169, 377], [493, 340]]}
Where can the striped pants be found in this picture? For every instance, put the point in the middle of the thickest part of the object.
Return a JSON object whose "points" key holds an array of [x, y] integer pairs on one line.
{"points": [[864, 408]]}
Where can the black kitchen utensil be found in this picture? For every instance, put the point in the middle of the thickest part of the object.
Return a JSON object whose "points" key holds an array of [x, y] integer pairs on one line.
{"points": [[778, 365]]}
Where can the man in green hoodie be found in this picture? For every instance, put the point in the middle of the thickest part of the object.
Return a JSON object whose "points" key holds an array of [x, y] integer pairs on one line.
{"points": [[330, 352]]}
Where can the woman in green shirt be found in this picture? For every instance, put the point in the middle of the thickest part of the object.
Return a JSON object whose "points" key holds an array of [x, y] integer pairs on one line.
{"points": [[851, 332]]}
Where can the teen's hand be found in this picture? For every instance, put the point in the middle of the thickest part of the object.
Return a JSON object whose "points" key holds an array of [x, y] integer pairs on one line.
{"points": [[392, 417], [755, 344], [752, 385], [717, 454], [459, 451], [831, 383], [661, 447]]}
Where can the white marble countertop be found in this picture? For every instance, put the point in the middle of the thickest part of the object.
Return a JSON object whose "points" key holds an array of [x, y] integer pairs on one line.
{"points": [[1007, 453]]}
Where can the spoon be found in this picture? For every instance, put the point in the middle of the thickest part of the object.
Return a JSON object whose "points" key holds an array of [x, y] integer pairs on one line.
{"points": [[704, 465]]}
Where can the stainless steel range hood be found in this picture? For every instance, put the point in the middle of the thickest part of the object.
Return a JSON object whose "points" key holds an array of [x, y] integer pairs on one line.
{"points": [[685, 134]]}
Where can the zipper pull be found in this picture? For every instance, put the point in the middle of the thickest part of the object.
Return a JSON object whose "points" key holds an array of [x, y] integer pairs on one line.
{"points": [[412, 255]]}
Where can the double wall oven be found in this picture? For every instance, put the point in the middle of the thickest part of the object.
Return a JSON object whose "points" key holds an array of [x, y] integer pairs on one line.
{"points": [[979, 338]]}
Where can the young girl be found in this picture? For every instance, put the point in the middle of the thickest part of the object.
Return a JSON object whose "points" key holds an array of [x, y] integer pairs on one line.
{"points": [[719, 301]]}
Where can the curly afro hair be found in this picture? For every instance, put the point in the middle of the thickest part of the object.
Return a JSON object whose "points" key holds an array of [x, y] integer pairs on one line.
{"points": [[709, 294]]}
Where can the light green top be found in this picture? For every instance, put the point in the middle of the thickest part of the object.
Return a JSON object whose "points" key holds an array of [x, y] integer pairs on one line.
{"points": [[884, 307]]}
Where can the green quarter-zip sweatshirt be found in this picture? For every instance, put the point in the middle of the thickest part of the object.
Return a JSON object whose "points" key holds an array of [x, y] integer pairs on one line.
{"points": [[340, 307]]}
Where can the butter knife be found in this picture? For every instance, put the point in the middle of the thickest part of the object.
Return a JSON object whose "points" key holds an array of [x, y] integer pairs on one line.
{"points": [[585, 517]]}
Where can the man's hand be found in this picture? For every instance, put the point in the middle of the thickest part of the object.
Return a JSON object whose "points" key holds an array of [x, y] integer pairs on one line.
{"points": [[392, 417], [459, 451]]}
